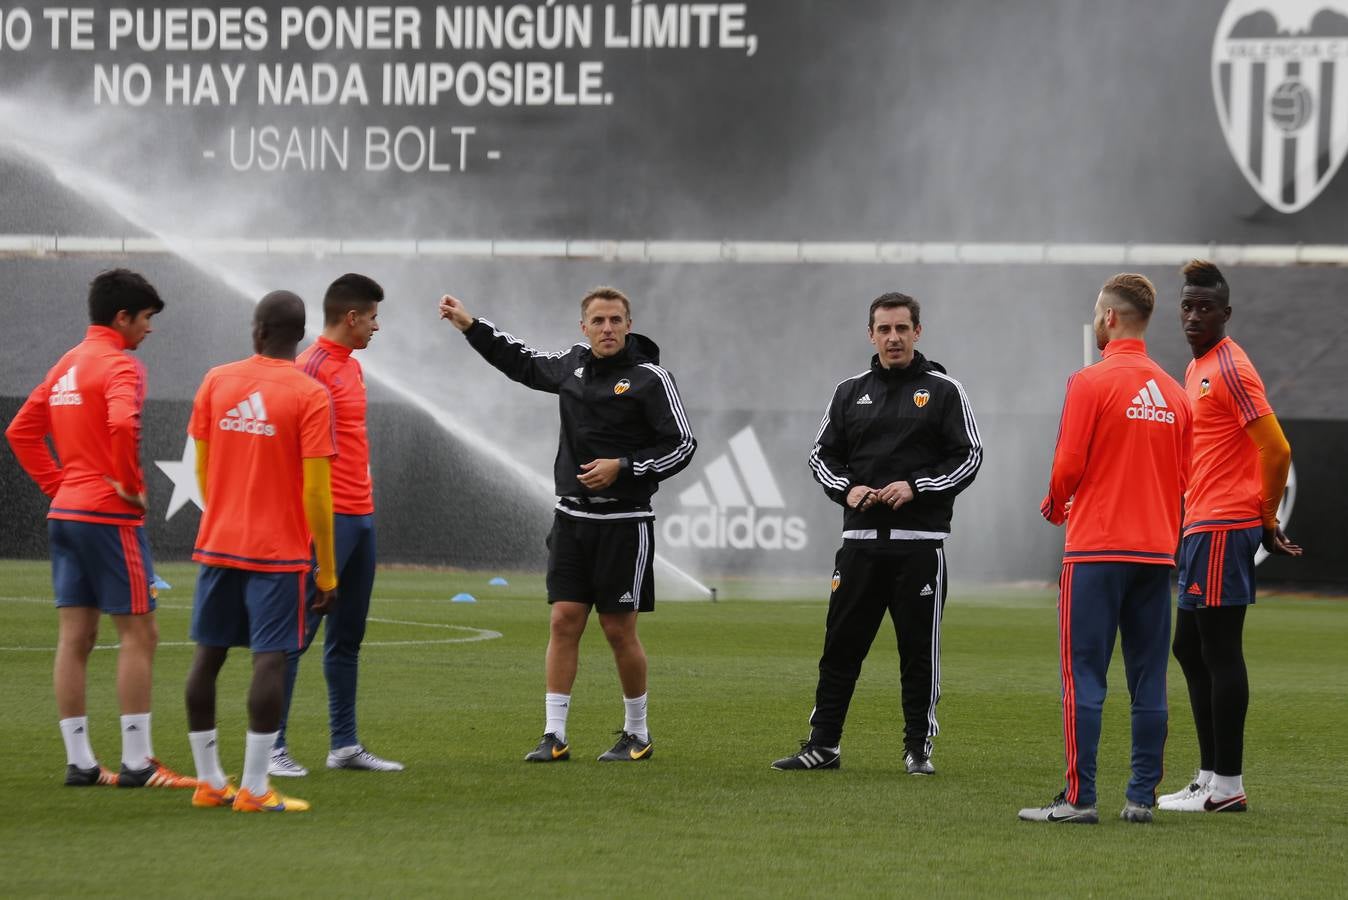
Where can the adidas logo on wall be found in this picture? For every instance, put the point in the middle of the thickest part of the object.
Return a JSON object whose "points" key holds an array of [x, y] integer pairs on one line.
{"points": [[249, 417], [734, 487], [65, 392], [1150, 406]]}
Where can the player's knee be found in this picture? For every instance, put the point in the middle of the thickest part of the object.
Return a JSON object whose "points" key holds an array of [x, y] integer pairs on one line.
{"points": [[620, 629], [567, 626], [138, 633], [79, 641]]}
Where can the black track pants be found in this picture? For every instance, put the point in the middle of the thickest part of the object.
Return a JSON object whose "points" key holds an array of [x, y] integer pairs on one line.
{"points": [[911, 585]]}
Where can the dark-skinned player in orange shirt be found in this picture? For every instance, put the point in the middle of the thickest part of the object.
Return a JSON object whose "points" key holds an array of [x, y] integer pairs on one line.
{"points": [[1241, 461], [264, 438]]}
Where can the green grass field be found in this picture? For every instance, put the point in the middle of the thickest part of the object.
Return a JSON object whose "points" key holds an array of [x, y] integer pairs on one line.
{"points": [[731, 686]]}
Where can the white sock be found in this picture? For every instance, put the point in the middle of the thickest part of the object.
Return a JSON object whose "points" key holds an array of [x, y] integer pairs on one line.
{"points": [[75, 733], [206, 754], [634, 722], [136, 749], [256, 755], [1227, 786], [558, 705], [1204, 777]]}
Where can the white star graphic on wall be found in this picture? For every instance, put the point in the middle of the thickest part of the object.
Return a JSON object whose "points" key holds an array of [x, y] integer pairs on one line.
{"points": [[183, 474]]}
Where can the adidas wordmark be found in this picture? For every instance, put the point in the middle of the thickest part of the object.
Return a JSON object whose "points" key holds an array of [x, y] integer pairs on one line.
{"points": [[249, 417], [64, 392], [1150, 406]]}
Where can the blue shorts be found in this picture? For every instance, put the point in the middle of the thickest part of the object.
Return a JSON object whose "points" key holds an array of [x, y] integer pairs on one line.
{"points": [[104, 566], [1216, 568], [263, 611]]}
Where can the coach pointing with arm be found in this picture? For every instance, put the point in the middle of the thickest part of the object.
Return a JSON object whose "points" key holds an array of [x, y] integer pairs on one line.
{"points": [[623, 431]]}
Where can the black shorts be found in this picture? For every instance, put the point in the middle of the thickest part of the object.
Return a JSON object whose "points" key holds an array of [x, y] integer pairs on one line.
{"points": [[607, 564]]}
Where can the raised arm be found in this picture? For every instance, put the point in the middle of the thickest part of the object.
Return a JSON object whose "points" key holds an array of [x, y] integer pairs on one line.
{"points": [[515, 359]]}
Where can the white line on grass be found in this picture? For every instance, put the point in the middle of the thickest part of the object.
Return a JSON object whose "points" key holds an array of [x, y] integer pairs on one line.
{"points": [[477, 634]]}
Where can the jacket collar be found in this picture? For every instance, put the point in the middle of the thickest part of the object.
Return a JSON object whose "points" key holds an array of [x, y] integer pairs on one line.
{"points": [[1124, 345], [341, 351], [106, 335], [638, 349], [919, 366]]}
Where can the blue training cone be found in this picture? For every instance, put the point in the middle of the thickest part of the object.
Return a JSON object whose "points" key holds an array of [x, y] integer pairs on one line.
{"points": [[498, 581], [463, 598]]}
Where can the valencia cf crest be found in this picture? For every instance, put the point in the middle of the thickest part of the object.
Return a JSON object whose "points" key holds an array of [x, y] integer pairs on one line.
{"points": [[1280, 81], [1204, 387], [622, 386], [837, 580], [921, 397]]}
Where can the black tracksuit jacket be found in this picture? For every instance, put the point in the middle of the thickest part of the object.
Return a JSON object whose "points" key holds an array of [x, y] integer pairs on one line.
{"points": [[623, 407], [913, 424]]}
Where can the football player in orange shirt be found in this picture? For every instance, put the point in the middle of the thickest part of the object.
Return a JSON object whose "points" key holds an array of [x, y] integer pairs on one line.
{"points": [[90, 404], [264, 439], [1118, 478], [350, 320], [1241, 461]]}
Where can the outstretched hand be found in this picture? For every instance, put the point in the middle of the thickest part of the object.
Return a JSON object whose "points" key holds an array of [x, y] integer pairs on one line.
{"points": [[454, 310], [1277, 543]]}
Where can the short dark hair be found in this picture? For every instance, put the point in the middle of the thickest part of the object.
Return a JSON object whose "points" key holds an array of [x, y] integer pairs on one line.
{"points": [[894, 300], [120, 289], [1136, 291], [1200, 273], [349, 292], [605, 293]]}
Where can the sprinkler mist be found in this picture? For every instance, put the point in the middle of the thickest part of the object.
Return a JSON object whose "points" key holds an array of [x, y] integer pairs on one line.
{"points": [[133, 209]]}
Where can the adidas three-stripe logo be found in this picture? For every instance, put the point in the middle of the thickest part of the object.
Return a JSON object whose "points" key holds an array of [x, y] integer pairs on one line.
{"points": [[813, 758], [65, 392], [1150, 406], [249, 417], [727, 490]]}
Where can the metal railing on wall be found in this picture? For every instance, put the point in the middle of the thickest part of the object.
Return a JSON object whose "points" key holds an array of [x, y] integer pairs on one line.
{"points": [[696, 252]]}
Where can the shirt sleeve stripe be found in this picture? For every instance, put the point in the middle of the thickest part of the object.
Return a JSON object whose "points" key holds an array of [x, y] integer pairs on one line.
{"points": [[970, 465], [316, 360], [556, 354], [685, 445], [822, 472], [1232, 376]]}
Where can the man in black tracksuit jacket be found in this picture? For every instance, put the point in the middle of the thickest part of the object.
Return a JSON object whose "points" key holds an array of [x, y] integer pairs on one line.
{"points": [[896, 445], [623, 432]]}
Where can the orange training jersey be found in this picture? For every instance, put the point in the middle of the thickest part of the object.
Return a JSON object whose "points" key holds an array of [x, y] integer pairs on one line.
{"points": [[1226, 394], [261, 418], [90, 403], [337, 370], [1122, 458]]}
